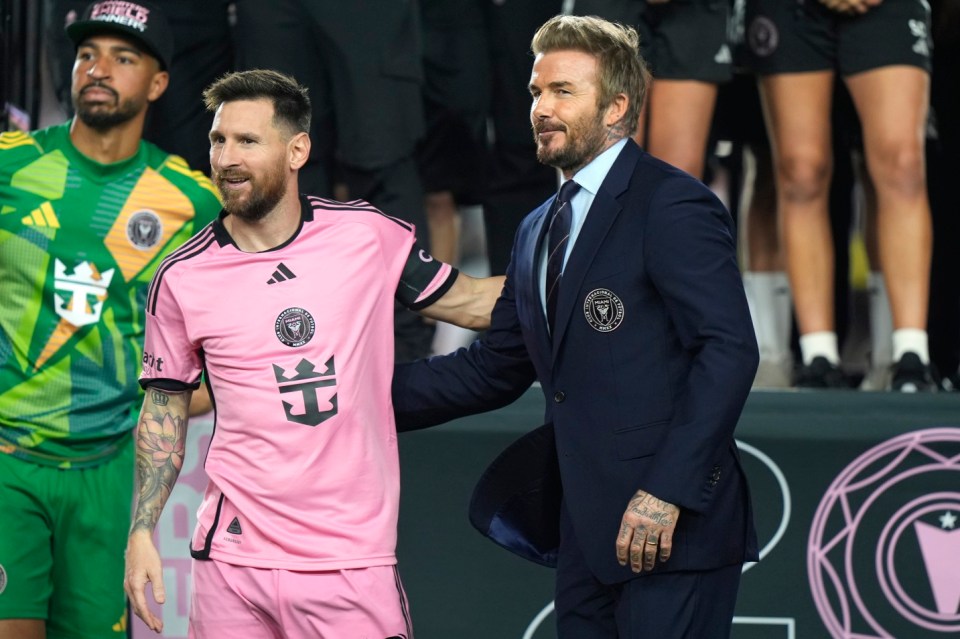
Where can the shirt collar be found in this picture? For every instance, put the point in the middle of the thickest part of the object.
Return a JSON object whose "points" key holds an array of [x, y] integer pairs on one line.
{"points": [[592, 175]]}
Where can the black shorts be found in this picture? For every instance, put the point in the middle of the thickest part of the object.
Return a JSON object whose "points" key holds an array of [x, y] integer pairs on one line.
{"points": [[794, 36], [680, 39], [738, 115]]}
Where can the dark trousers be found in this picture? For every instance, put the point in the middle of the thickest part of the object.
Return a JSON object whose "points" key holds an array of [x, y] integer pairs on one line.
{"points": [[672, 605]]}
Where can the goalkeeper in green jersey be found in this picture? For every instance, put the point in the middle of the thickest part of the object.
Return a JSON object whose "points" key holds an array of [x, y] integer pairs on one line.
{"points": [[87, 212]]}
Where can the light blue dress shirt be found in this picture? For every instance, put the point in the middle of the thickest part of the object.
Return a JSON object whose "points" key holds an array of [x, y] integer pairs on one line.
{"points": [[589, 178]]}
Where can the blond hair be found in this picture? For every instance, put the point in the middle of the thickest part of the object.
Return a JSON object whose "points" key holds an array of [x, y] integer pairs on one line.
{"points": [[620, 67]]}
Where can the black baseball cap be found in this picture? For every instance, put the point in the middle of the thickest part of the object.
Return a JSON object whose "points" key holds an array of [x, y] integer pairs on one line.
{"points": [[141, 21]]}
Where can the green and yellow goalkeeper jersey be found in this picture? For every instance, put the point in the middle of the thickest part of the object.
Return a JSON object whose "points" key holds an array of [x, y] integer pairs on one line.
{"points": [[79, 243]]}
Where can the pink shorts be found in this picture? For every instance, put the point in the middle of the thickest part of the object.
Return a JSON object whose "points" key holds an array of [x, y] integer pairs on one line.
{"points": [[257, 603]]}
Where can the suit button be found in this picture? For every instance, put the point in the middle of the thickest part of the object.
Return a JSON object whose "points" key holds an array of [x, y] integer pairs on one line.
{"points": [[559, 396]]}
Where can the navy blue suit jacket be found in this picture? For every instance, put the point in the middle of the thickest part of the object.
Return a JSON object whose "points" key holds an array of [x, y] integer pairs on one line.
{"points": [[645, 379]]}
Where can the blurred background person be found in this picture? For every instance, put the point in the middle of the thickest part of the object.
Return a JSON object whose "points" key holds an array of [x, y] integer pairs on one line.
{"points": [[686, 45], [882, 52], [516, 182], [361, 62]]}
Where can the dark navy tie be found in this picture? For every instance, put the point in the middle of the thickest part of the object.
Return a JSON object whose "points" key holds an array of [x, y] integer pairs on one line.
{"points": [[558, 234]]}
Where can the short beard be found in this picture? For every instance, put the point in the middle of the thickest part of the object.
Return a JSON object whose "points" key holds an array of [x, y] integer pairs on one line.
{"points": [[260, 203], [578, 151], [100, 121], [100, 117]]}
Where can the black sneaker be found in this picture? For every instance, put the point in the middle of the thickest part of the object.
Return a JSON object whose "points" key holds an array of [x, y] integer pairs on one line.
{"points": [[911, 375], [820, 373]]}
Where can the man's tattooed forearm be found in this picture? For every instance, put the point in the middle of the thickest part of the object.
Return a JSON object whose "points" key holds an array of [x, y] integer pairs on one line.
{"points": [[160, 444]]}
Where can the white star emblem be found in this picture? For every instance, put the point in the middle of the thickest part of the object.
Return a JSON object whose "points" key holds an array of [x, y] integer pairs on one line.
{"points": [[948, 520]]}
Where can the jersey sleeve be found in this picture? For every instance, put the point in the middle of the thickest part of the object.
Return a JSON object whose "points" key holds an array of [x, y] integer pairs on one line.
{"points": [[424, 279], [171, 361]]}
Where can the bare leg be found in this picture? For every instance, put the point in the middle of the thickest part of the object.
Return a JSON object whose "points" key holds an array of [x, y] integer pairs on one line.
{"points": [[763, 242], [869, 217], [765, 283], [892, 105], [797, 111], [680, 113], [878, 304], [22, 629], [443, 218]]}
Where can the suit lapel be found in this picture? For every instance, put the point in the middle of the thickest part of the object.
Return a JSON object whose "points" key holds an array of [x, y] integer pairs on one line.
{"points": [[528, 276], [603, 212], [537, 233]]}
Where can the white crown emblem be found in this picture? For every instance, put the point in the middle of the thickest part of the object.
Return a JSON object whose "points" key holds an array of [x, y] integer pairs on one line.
{"points": [[74, 305]]}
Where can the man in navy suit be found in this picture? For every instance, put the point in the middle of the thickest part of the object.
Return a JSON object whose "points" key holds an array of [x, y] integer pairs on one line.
{"points": [[643, 346]]}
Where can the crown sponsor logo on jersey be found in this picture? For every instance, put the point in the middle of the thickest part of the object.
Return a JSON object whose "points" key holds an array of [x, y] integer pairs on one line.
{"points": [[603, 310], [307, 381], [80, 294], [282, 274], [295, 327], [144, 229], [234, 527]]}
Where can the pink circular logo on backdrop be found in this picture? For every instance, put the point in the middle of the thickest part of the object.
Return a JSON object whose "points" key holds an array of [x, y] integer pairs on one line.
{"points": [[883, 557]]}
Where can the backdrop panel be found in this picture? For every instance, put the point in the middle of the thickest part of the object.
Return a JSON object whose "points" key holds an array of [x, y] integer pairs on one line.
{"points": [[857, 498]]}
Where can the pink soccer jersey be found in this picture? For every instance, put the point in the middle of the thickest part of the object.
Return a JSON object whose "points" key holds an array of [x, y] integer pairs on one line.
{"points": [[297, 347]]}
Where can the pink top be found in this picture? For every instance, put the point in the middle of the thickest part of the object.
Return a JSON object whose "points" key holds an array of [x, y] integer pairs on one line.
{"points": [[297, 347]]}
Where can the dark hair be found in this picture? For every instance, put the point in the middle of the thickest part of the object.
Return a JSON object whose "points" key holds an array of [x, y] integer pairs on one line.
{"points": [[291, 104], [621, 69]]}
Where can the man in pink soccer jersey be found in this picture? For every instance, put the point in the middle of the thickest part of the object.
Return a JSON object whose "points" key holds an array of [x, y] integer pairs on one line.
{"points": [[286, 304]]}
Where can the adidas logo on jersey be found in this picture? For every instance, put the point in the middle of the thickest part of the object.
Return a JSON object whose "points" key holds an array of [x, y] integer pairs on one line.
{"points": [[43, 216], [234, 527], [121, 625], [723, 56], [282, 274]]}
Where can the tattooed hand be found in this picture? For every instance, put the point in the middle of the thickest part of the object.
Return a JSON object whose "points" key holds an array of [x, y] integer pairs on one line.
{"points": [[646, 532]]}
